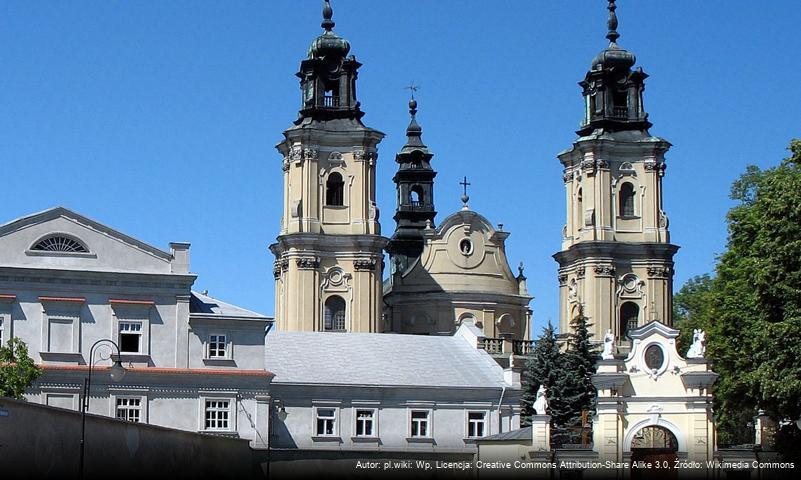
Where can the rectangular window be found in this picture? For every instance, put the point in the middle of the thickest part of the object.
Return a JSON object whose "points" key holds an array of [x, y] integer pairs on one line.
{"points": [[2, 338], [475, 424], [217, 346], [364, 423], [60, 335], [217, 415], [420, 423], [130, 337], [129, 409], [326, 422]]}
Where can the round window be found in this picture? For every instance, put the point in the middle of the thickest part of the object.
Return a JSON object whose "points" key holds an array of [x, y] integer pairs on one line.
{"points": [[654, 357], [466, 246]]}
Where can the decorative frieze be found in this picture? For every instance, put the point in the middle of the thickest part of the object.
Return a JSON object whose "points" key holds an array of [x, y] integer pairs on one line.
{"points": [[276, 269], [307, 263], [562, 279], [604, 271], [580, 271], [660, 272], [364, 264]]}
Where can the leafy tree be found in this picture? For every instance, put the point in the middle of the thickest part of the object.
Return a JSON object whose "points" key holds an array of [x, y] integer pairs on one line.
{"points": [[753, 306], [541, 368], [17, 369], [692, 306]]}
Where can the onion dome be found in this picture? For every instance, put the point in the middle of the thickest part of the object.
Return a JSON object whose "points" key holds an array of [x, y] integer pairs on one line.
{"points": [[329, 44], [613, 56]]}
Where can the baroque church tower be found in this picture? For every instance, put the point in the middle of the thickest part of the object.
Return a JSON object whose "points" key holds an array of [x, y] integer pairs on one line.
{"points": [[414, 182], [616, 263], [328, 255]]}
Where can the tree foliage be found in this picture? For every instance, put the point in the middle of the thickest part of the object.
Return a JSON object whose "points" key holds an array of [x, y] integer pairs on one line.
{"points": [[541, 368], [17, 369], [691, 308], [752, 308], [567, 376]]}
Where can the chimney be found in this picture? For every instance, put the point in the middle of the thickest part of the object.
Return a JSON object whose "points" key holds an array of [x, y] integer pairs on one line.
{"points": [[180, 257]]}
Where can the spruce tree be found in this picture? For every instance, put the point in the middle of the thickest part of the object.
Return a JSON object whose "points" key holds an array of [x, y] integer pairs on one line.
{"points": [[574, 391], [541, 368]]}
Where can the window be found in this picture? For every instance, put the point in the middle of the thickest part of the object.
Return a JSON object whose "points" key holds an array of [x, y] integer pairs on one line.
{"points": [[326, 422], [59, 243], [334, 190], [130, 337], [364, 423], [129, 409], [217, 347], [217, 415], [629, 316], [2, 338], [475, 424], [420, 423], [416, 196], [334, 315], [626, 200], [580, 208]]}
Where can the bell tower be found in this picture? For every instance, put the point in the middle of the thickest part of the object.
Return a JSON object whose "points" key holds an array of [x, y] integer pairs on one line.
{"points": [[328, 255], [414, 182], [616, 261]]}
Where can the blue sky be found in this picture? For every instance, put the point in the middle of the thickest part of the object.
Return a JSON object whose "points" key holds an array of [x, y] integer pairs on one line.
{"points": [[159, 118]]}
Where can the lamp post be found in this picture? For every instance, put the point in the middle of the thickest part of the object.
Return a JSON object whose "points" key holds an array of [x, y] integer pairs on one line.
{"points": [[117, 372], [281, 416]]}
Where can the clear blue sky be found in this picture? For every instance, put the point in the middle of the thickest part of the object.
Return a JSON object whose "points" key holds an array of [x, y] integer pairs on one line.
{"points": [[159, 118]]}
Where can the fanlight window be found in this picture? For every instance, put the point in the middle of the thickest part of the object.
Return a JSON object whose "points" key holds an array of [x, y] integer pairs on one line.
{"points": [[60, 243], [655, 437]]}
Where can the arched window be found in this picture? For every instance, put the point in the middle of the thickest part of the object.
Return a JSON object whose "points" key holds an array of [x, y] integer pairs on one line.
{"points": [[334, 315], [629, 316], [416, 196], [580, 208], [626, 200], [334, 190], [59, 243]]}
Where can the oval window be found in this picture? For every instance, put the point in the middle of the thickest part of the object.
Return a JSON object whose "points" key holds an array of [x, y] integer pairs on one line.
{"points": [[654, 357], [466, 246]]}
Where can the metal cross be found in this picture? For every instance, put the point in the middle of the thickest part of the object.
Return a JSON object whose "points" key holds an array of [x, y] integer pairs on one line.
{"points": [[465, 184], [412, 88]]}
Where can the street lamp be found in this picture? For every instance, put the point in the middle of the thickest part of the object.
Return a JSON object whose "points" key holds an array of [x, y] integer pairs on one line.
{"points": [[117, 372]]}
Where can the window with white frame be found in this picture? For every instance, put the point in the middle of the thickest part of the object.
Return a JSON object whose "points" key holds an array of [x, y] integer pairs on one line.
{"points": [[217, 415], [326, 422], [420, 423], [130, 337], [2, 337], [217, 346], [476, 424], [365, 422], [129, 409]]}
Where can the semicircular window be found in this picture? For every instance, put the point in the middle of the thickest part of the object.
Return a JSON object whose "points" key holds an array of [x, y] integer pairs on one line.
{"points": [[60, 243]]}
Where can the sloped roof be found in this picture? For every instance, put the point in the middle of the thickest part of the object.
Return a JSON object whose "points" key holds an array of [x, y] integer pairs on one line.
{"points": [[204, 305], [519, 434], [379, 359]]}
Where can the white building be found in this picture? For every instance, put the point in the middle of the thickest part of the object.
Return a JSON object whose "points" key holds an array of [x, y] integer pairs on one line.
{"points": [[372, 395], [193, 362]]}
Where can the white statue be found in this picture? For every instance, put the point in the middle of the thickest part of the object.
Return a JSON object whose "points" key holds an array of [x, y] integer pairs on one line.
{"points": [[609, 346], [541, 403], [698, 348]]}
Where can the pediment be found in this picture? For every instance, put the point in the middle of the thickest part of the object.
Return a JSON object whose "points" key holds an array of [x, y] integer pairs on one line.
{"points": [[63, 239]]}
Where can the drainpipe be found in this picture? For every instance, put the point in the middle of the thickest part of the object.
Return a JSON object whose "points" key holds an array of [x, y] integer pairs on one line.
{"points": [[500, 402]]}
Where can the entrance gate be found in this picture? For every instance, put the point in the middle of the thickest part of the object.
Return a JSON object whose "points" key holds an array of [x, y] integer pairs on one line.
{"points": [[657, 446]]}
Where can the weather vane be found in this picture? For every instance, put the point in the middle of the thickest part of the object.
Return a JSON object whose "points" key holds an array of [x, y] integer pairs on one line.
{"points": [[412, 88]]}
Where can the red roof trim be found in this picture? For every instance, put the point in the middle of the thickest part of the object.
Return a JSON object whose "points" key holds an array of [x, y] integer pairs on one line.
{"points": [[173, 371], [62, 299], [7, 296], [123, 301]]}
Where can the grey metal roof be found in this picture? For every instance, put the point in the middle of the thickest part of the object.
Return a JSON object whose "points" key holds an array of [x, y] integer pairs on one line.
{"points": [[200, 304], [519, 434], [379, 359]]}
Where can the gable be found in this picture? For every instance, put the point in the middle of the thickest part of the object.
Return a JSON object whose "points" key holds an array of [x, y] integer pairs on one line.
{"points": [[62, 239]]}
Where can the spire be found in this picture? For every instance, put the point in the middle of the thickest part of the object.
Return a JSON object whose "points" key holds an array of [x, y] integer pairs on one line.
{"points": [[612, 34], [413, 132], [328, 14]]}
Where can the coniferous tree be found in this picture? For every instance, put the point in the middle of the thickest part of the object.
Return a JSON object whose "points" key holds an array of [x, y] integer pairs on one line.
{"points": [[574, 391], [542, 368]]}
